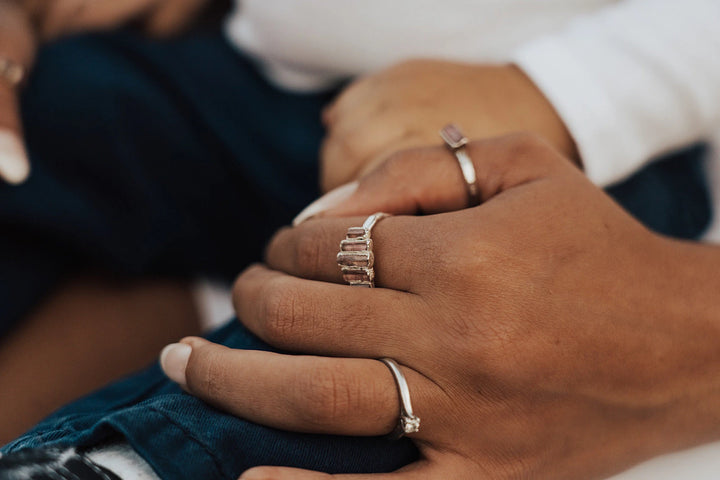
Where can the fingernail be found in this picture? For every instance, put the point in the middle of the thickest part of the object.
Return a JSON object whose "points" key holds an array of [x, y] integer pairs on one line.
{"points": [[14, 164], [174, 359], [326, 202]]}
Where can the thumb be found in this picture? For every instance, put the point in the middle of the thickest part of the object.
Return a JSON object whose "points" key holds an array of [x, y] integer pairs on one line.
{"points": [[429, 180]]}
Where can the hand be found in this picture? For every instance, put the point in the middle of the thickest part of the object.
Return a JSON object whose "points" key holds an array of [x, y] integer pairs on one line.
{"points": [[160, 17], [405, 107], [25, 23], [544, 334]]}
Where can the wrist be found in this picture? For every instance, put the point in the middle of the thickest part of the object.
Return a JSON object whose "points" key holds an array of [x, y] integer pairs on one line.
{"points": [[540, 115]]}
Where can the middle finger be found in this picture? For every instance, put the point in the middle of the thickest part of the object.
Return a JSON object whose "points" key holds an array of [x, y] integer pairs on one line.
{"points": [[324, 318], [310, 250]]}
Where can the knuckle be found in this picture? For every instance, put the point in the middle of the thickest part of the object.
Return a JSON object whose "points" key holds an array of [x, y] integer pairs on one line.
{"points": [[353, 146], [527, 140], [328, 394], [524, 145], [309, 252], [397, 165], [282, 313]]}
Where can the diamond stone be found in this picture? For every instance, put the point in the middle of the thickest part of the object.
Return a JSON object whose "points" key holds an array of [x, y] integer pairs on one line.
{"points": [[410, 424]]}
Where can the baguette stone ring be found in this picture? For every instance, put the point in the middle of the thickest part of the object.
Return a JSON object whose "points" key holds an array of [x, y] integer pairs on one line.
{"points": [[356, 259], [456, 142]]}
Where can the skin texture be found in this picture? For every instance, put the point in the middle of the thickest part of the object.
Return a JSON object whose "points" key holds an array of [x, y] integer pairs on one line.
{"points": [[544, 334], [405, 106]]}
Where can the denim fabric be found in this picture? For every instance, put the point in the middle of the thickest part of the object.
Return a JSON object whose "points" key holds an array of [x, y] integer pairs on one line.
{"points": [[151, 157], [183, 438], [178, 158], [669, 196]]}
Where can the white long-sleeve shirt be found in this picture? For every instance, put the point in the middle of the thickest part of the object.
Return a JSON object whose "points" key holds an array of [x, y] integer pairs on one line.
{"points": [[632, 79]]}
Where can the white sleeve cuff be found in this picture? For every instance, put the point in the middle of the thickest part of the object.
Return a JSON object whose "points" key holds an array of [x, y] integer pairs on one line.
{"points": [[608, 151]]}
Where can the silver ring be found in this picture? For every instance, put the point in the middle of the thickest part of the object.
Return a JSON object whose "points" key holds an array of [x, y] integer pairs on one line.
{"points": [[12, 72], [408, 423], [456, 142], [356, 259]]}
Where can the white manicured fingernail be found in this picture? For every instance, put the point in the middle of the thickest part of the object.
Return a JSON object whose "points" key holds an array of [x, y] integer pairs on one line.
{"points": [[326, 202], [174, 359], [14, 164]]}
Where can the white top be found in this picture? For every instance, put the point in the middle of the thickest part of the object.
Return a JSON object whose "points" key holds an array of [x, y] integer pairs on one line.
{"points": [[632, 79]]}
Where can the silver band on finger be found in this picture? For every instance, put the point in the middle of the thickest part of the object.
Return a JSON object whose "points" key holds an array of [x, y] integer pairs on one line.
{"points": [[356, 258], [408, 423], [11, 72], [456, 142]]}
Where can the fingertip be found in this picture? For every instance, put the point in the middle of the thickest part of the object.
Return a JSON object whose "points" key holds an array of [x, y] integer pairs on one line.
{"points": [[173, 361]]}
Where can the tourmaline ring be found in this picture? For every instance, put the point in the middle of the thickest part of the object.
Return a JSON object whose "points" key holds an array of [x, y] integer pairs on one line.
{"points": [[356, 259], [409, 422], [11, 72], [456, 141]]}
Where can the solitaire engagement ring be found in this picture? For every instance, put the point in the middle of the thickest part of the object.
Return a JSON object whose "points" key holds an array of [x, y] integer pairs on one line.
{"points": [[408, 423]]}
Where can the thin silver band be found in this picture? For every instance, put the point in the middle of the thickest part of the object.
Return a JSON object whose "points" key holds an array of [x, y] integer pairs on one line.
{"points": [[408, 423], [456, 142], [356, 258], [11, 72], [468, 171]]}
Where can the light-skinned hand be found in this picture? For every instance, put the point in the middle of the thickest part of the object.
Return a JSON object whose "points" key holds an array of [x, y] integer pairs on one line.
{"points": [[404, 107], [24, 24]]}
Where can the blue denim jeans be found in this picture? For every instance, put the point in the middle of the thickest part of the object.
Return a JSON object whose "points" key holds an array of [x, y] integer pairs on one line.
{"points": [[183, 438], [187, 161]]}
